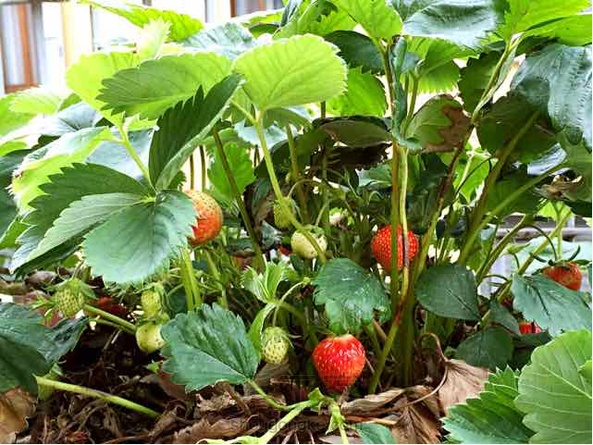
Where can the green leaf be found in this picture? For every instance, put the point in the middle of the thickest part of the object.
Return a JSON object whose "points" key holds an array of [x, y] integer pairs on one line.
{"points": [[112, 154], [81, 216], [65, 151], [257, 327], [241, 168], [356, 131], [156, 85], [21, 334], [71, 185], [439, 125], [586, 370], [10, 120], [528, 202], [351, 296], [490, 348], [449, 291], [501, 315], [229, 40], [554, 395], [62, 338], [373, 433], [435, 70], [573, 31], [151, 39], [182, 25], [208, 346], [294, 71], [357, 50], [139, 241], [265, 285], [524, 14], [364, 95], [375, 16], [507, 117], [492, 416], [179, 136], [319, 17], [8, 164], [474, 78], [86, 76], [73, 118], [35, 101], [557, 80], [551, 305], [458, 21]]}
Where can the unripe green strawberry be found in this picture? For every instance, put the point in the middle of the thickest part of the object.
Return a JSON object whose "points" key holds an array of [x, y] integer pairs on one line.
{"points": [[148, 334], [151, 302], [71, 296], [301, 245], [275, 345], [281, 219]]}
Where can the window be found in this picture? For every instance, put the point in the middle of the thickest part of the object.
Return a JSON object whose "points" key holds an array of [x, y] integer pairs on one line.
{"points": [[240, 7]]}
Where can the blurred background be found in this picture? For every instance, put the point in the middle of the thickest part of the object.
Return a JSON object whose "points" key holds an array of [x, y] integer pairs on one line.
{"points": [[40, 39]]}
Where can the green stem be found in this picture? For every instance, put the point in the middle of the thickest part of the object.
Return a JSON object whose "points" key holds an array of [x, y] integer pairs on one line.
{"points": [[278, 191], [189, 281], [125, 141], [490, 86], [120, 322], [192, 172], [216, 274], [394, 221], [61, 386], [269, 400], [296, 175], [203, 167], [271, 433], [500, 247], [412, 105], [523, 267], [343, 434], [383, 357], [259, 256], [483, 222], [111, 324], [476, 219]]}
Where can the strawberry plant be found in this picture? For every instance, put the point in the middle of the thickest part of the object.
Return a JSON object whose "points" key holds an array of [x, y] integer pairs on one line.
{"points": [[300, 214]]}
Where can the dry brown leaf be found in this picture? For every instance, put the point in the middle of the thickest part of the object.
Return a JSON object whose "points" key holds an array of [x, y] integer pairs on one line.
{"points": [[336, 439], [416, 424], [215, 404], [15, 405], [221, 429], [462, 381], [370, 402]]}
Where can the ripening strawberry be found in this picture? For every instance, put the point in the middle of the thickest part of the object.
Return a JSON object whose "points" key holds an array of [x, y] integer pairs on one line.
{"points": [[209, 217], [568, 275], [339, 361], [71, 296], [274, 345], [381, 247], [303, 248], [525, 327]]}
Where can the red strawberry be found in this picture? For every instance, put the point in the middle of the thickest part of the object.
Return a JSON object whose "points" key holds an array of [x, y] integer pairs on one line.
{"points": [[108, 304], [568, 275], [209, 217], [381, 247], [339, 361], [526, 327]]}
